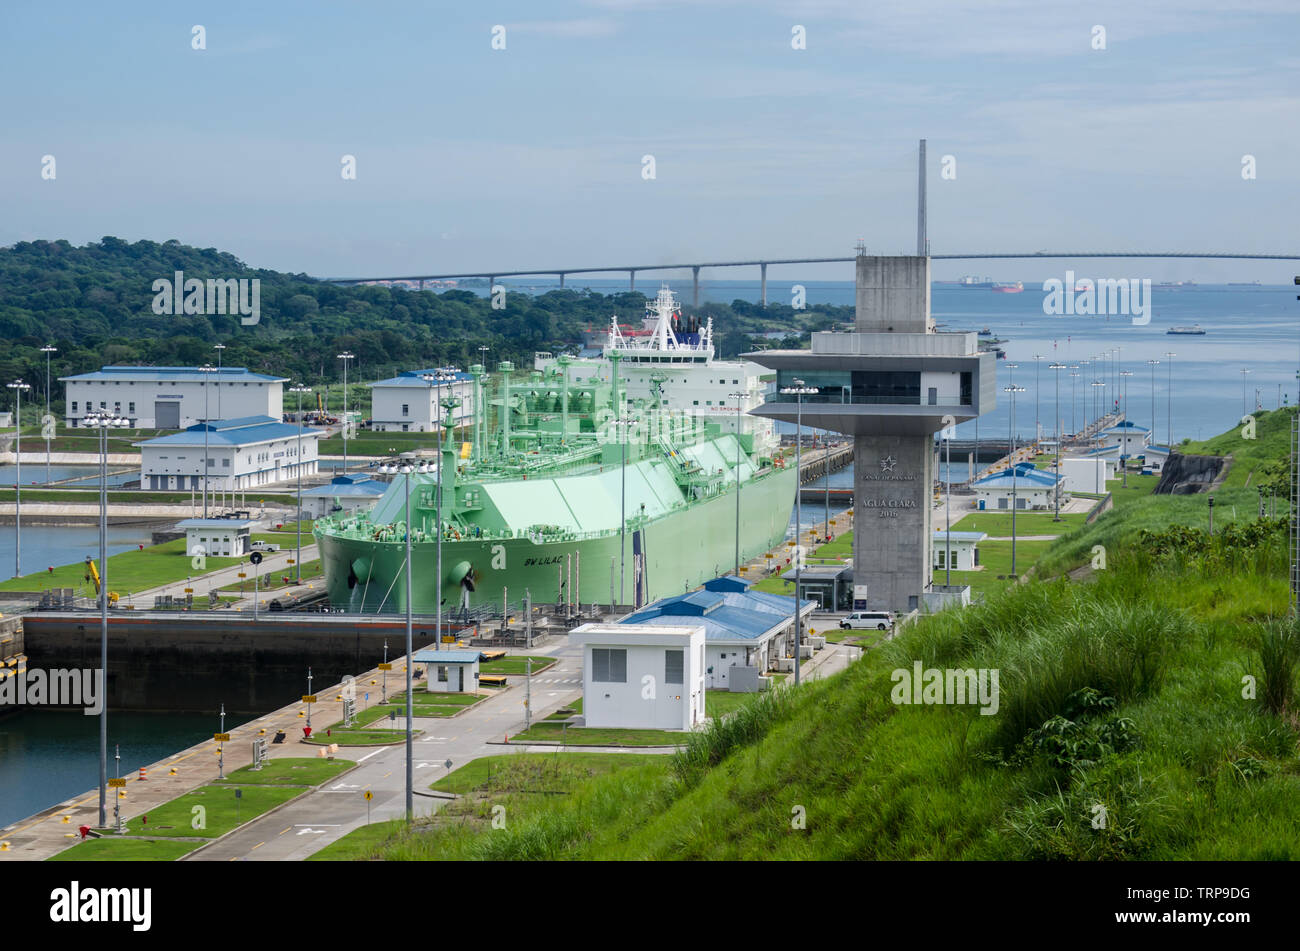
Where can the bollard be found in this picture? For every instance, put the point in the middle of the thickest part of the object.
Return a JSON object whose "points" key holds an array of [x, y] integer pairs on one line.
{"points": [[143, 774]]}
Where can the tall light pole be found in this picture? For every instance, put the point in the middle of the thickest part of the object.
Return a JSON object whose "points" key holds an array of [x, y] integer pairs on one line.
{"points": [[1013, 390], [1125, 374], [1097, 387], [103, 424], [1244, 409], [1153, 364], [1058, 367], [1169, 401], [798, 391], [300, 390], [207, 370], [1074, 402], [346, 356], [448, 404], [219, 348], [47, 350], [1115, 379], [1011, 440], [19, 387], [1037, 367], [740, 408]]}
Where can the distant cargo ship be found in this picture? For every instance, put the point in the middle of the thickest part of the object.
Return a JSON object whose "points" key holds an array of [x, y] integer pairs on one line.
{"points": [[1015, 287], [1195, 329]]}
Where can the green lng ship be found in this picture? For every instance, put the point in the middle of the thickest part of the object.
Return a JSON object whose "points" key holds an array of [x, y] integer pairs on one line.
{"points": [[557, 497]]}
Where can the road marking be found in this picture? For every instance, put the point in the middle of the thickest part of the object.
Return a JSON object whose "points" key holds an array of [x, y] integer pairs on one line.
{"points": [[387, 774], [311, 831], [283, 831], [258, 846], [368, 755]]}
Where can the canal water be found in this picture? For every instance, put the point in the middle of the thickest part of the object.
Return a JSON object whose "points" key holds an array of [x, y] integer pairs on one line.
{"points": [[49, 756], [47, 546]]}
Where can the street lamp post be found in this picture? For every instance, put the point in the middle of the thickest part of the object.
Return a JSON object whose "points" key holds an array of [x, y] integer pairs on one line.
{"points": [[219, 348], [346, 356], [1013, 390], [740, 408], [47, 350], [1058, 367], [299, 389], [1125, 374], [207, 369], [1037, 367], [448, 404], [798, 391], [103, 424], [19, 387], [1153, 364], [1169, 402], [1097, 387]]}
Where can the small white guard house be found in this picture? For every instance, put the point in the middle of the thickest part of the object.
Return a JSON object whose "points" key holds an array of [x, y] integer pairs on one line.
{"points": [[641, 676], [220, 537], [1130, 438], [449, 671], [962, 554]]}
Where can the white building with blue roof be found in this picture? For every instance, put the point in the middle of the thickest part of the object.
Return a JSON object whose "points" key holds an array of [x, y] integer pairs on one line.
{"points": [[412, 401], [1130, 438], [742, 627], [172, 397], [1032, 488], [245, 453], [348, 493]]}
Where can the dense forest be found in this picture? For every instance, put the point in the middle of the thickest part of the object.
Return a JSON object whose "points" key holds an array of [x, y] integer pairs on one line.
{"points": [[95, 304]]}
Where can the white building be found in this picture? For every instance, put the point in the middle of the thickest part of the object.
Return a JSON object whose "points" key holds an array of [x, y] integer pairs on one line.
{"points": [[411, 402], [243, 453], [957, 551], [224, 537], [352, 492], [641, 676], [1087, 474], [1130, 438], [449, 671], [1033, 489], [1155, 457], [172, 397]]}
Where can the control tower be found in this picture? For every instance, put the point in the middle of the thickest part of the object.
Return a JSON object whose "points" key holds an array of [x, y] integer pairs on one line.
{"points": [[891, 384]]}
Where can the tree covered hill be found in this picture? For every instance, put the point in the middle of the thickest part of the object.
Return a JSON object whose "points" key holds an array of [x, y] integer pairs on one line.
{"points": [[95, 304]]}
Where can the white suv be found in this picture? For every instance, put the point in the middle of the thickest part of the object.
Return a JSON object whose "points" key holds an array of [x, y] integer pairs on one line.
{"points": [[880, 620]]}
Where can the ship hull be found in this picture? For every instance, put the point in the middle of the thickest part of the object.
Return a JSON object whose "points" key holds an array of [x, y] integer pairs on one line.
{"points": [[682, 549]]}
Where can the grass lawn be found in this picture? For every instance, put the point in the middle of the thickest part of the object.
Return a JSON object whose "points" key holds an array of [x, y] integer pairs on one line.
{"points": [[381, 711], [360, 844], [1139, 487], [424, 698], [290, 771], [128, 571], [531, 772], [549, 732], [515, 665], [996, 559], [222, 811], [125, 849], [998, 524], [369, 443], [774, 585], [374, 737], [718, 703], [272, 582], [576, 707]]}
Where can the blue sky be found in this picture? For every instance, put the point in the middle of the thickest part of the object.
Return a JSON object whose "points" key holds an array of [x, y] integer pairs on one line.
{"points": [[531, 156]]}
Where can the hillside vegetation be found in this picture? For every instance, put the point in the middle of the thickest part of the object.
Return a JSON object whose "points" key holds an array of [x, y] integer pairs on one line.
{"points": [[95, 303], [1148, 713]]}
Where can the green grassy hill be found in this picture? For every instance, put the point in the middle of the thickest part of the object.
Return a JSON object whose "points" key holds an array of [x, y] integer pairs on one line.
{"points": [[1148, 712]]}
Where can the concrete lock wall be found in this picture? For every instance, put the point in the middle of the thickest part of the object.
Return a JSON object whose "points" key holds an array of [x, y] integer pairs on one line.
{"points": [[186, 663]]}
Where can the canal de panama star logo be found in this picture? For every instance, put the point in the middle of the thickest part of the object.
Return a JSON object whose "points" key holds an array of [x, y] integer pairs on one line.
{"points": [[887, 464]]}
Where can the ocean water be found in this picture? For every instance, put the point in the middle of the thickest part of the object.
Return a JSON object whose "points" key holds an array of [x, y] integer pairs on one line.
{"points": [[1199, 392]]}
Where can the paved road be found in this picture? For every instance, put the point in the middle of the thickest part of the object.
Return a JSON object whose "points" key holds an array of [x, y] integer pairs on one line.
{"points": [[327, 814]]}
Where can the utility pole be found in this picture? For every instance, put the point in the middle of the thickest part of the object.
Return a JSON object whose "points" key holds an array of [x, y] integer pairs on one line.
{"points": [[798, 391], [1013, 390], [48, 350], [1058, 367], [346, 356], [19, 387]]}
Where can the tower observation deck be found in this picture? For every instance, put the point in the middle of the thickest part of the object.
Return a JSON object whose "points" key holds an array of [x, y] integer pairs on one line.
{"points": [[891, 384]]}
